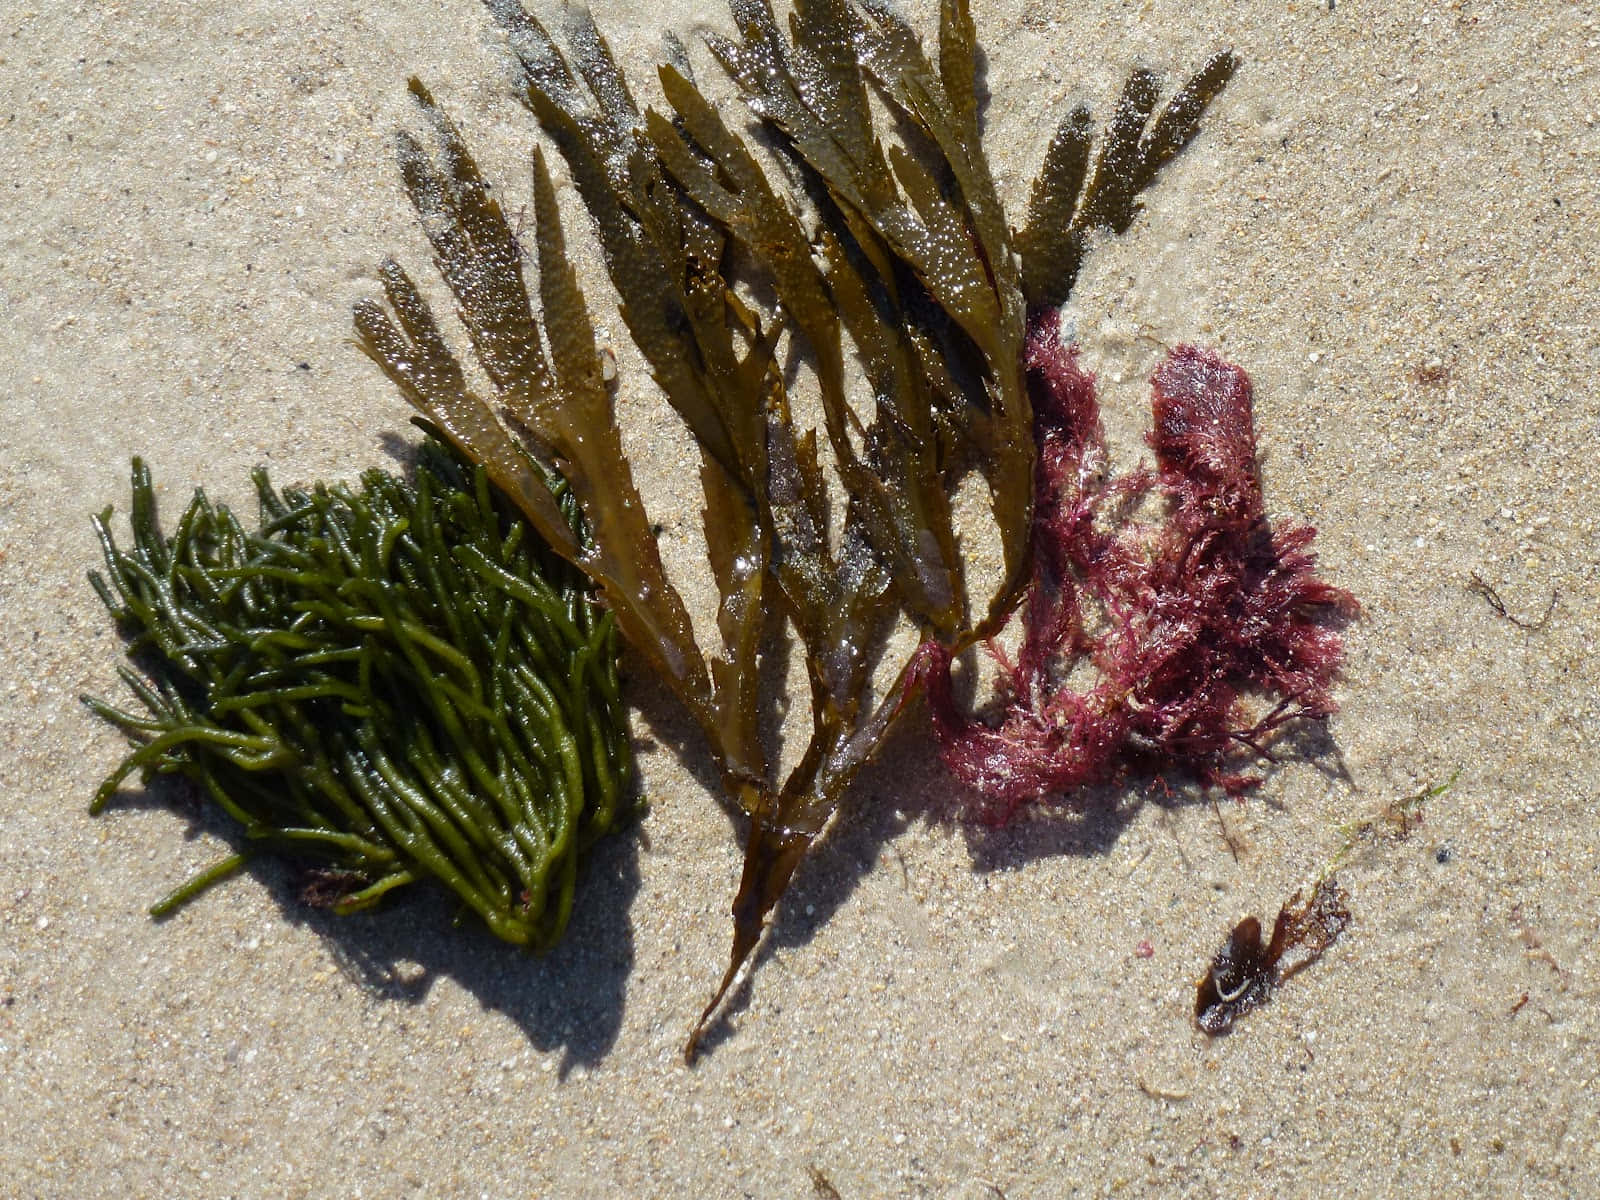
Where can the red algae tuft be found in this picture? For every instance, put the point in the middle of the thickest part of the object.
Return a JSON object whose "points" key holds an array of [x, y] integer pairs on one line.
{"points": [[1206, 632]]}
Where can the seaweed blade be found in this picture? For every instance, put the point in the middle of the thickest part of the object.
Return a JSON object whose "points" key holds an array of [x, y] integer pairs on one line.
{"points": [[566, 406], [910, 267], [1069, 202]]}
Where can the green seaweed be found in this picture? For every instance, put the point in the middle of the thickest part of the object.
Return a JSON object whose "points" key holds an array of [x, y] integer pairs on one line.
{"points": [[389, 683], [897, 259]]}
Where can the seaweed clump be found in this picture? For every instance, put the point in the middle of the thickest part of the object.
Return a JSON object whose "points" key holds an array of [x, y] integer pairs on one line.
{"points": [[389, 683], [1183, 621], [894, 262], [1247, 970]]}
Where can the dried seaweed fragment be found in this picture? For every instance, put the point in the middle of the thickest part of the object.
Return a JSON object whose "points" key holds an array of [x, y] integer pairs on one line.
{"points": [[387, 684], [1183, 622], [1247, 970], [1394, 822], [891, 252], [1477, 583]]}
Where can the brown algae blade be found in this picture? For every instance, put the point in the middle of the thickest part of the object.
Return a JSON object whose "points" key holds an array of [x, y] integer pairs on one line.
{"points": [[861, 249]]}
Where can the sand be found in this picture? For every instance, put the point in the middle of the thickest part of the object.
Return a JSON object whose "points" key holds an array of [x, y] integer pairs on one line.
{"points": [[1390, 222]]}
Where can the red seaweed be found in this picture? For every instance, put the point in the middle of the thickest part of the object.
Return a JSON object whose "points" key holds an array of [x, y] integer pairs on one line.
{"points": [[1206, 632]]}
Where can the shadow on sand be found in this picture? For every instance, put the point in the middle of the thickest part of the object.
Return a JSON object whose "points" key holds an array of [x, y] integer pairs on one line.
{"points": [[569, 999]]}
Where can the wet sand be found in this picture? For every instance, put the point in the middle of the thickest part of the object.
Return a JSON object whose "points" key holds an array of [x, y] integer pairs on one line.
{"points": [[1389, 222]]}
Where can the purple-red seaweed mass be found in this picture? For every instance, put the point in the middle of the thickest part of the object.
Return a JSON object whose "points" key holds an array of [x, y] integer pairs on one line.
{"points": [[1207, 631]]}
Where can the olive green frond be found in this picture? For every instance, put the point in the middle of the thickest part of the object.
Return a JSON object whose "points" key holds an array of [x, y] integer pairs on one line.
{"points": [[1065, 209]]}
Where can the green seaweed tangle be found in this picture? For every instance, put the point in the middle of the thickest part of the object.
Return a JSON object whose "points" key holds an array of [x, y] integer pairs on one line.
{"points": [[391, 683]]}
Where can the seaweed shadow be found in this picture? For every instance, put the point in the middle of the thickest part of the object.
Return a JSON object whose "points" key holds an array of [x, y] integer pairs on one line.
{"points": [[571, 998], [908, 783]]}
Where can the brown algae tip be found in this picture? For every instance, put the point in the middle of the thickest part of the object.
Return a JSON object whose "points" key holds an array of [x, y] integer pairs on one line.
{"points": [[1247, 970]]}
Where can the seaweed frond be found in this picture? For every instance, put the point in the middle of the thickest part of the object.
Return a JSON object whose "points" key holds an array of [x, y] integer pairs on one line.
{"points": [[1182, 621], [388, 683], [1069, 203], [892, 254], [1245, 973]]}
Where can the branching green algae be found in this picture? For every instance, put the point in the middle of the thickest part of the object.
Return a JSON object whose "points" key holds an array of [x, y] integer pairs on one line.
{"points": [[897, 258], [393, 683]]}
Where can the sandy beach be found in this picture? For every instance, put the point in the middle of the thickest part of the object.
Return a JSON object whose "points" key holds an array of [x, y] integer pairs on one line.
{"points": [[1389, 221]]}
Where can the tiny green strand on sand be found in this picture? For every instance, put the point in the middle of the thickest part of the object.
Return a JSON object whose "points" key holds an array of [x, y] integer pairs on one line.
{"points": [[388, 683]]}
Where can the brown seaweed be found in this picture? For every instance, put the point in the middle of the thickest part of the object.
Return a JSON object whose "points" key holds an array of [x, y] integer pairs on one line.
{"points": [[895, 256], [1247, 970]]}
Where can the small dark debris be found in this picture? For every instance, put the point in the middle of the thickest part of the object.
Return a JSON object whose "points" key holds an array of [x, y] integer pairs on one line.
{"points": [[325, 887], [822, 1187], [1247, 970], [1443, 855], [1431, 374], [1239, 979], [305, 366], [1481, 586]]}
